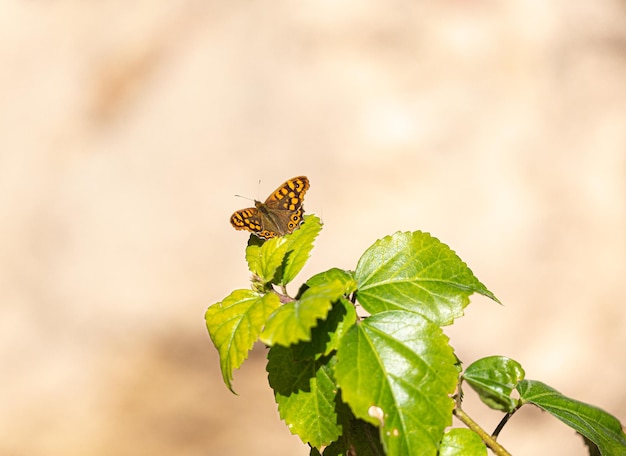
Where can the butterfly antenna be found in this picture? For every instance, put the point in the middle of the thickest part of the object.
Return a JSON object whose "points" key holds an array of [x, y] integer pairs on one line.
{"points": [[244, 197]]}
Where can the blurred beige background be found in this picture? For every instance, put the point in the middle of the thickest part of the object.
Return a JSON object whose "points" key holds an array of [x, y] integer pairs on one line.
{"points": [[126, 129]]}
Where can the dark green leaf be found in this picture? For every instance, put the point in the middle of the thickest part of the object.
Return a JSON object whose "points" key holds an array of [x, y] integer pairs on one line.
{"points": [[415, 272], [494, 378], [462, 442], [234, 326], [363, 437], [592, 448], [597, 425], [358, 436], [305, 393], [340, 319], [397, 370], [325, 336]]}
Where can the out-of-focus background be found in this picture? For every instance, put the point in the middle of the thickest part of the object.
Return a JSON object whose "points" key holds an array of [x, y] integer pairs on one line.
{"points": [[126, 129]]}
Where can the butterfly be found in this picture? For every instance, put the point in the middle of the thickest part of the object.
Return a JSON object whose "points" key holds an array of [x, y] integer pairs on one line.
{"points": [[280, 214]]}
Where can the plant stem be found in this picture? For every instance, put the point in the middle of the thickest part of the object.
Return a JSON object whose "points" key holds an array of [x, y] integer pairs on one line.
{"points": [[504, 420], [489, 441], [282, 295]]}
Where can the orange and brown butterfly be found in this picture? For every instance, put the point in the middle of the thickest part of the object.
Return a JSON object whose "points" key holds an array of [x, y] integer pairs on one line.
{"points": [[280, 214]]}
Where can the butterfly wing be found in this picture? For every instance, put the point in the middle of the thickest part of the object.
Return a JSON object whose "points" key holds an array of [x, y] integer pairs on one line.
{"points": [[280, 214], [255, 220], [289, 196], [247, 219], [283, 208]]}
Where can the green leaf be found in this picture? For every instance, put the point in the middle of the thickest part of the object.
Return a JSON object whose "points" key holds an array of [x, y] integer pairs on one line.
{"points": [[301, 244], [234, 326], [462, 442], [325, 336], [363, 437], [358, 437], [494, 378], [344, 316], [280, 259], [305, 393], [340, 319], [334, 274], [592, 448], [416, 272], [265, 257], [595, 424], [292, 322], [397, 370]]}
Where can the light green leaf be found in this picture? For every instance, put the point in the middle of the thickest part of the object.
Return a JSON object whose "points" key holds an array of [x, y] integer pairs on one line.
{"points": [[462, 442], [325, 336], [397, 370], [300, 246], [597, 425], [234, 326], [416, 272], [494, 378], [334, 274], [280, 259], [305, 393], [265, 257], [292, 322]]}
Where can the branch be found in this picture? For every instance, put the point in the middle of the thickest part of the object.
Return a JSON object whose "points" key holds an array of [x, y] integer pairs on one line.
{"points": [[489, 441]]}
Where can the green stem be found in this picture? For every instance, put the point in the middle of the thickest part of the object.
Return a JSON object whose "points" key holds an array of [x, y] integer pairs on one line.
{"points": [[489, 441]]}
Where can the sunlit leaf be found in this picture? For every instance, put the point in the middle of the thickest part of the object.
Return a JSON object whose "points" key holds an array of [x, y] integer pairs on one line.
{"points": [[462, 442], [597, 425], [494, 378], [280, 259], [235, 324], [300, 246], [396, 370], [334, 274], [416, 272], [293, 321], [265, 257]]}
